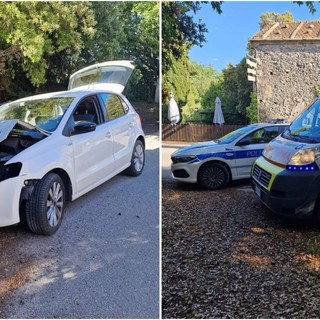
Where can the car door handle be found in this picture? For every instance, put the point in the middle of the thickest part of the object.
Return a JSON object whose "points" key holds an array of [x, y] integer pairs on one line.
{"points": [[108, 134], [131, 124]]}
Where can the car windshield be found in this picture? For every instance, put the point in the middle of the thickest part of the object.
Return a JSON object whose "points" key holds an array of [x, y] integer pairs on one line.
{"points": [[306, 128], [42, 114], [232, 136]]}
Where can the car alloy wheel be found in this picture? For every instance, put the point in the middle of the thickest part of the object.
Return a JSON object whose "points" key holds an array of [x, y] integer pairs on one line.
{"points": [[44, 210], [137, 160], [55, 204], [138, 157], [213, 176]]}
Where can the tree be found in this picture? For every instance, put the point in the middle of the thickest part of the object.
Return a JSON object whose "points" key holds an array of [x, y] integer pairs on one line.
{"points": [[234, 91], [123, 31], [179, 30], [272, 17], [145, 26], [41, 29], [179, 33], [142, 21], [188, 81], [109, 37], [252, 109], [42, 43], [176, 80], [103, 44], [310, 4], [201, 78], [7, 56]]}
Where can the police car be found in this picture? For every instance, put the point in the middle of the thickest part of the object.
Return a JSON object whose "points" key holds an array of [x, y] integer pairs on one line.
{"points": [[214, 164]]}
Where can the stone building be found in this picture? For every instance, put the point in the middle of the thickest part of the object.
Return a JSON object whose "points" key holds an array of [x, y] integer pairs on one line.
{"points": [[288, 68]]}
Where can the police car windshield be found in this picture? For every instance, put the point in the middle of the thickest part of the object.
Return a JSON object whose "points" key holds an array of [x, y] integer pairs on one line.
{"points": [[234, 135], [306, 128]]}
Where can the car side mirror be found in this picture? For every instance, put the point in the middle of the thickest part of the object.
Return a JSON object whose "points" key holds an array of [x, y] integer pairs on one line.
{"points": [[243, 142], [83, 127]]}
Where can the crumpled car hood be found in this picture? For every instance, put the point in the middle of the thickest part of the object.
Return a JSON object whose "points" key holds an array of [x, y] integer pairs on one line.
{"points": [[5, 128]]}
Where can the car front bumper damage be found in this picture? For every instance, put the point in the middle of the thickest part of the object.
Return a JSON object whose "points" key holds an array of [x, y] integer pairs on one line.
{"points": [[10, 191]]}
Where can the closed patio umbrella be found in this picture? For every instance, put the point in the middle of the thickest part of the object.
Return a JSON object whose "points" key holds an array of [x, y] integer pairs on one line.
{"points": [[173, 111], [218, 114]]}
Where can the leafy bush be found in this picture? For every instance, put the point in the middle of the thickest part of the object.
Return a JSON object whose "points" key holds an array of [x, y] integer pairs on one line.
{"points": [[252, 109]]}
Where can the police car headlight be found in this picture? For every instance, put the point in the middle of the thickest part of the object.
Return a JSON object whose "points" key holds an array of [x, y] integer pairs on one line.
{"points": [[182, 159], [304, 157]]}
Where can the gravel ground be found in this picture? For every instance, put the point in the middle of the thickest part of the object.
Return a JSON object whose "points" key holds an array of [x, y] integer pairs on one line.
{"points": [[226, 256]]}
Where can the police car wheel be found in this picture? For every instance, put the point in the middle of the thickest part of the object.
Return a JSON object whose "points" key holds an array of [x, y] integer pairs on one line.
{"points": [[213, 176]]}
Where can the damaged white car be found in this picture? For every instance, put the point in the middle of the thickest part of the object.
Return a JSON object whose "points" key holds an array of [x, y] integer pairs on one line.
{"points": [[56, 147]]}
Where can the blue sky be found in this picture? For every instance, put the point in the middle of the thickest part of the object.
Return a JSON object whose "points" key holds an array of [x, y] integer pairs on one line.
{"points": [[229, 32]]}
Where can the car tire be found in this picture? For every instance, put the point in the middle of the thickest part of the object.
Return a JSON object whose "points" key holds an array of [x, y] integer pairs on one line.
{"points": [[137, 160], [213, 176], [44, 211]]}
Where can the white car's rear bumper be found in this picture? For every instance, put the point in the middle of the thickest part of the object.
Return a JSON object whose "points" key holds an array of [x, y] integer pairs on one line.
{"points": [[10, 191]]}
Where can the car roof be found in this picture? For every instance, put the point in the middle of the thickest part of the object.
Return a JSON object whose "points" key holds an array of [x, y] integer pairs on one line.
{"points": [[57, 94], [268, 124]]}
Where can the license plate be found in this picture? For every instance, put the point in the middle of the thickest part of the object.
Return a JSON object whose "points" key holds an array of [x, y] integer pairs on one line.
{"points": [[257, 191]]}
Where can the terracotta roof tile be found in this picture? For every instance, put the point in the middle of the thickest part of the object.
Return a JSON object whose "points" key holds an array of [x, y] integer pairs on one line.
{"points": [[309, 30]]}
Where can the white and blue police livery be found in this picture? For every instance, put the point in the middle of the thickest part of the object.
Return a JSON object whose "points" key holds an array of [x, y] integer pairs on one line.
{"points": [[213, 164]]}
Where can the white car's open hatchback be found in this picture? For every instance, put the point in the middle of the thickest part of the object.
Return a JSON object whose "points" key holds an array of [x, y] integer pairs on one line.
{"points": [[56, 147]]}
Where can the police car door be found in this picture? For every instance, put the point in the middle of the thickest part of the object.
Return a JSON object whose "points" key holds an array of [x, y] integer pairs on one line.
{"points": [[250, 147]]}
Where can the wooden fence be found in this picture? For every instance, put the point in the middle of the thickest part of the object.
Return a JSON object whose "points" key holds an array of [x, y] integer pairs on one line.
{"points": [[196, 132]]}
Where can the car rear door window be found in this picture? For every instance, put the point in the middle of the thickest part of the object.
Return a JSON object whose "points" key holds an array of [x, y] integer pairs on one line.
{"points": [[114, 106], [263, 135]]}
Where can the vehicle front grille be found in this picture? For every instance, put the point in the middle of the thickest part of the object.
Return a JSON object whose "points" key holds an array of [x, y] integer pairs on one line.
{"points": [[262, 176], [181, 173]]}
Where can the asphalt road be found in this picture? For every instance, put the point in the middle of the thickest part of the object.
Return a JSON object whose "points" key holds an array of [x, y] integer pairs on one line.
{"points": [[102, 263]]}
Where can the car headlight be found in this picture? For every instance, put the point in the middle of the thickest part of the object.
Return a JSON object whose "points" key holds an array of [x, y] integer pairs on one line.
{"points": [[303, 157], [177, 159], [304, 160]]}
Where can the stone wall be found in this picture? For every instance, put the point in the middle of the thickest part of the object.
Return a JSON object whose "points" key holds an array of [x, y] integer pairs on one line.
{"points": [[287, 73]]}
